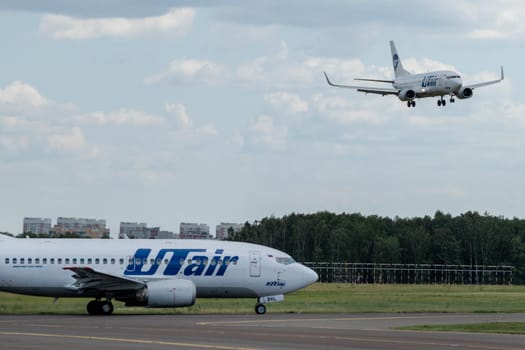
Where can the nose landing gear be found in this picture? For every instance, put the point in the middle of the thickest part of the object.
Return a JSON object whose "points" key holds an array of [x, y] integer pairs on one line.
{"points": [[411, 103], [260, 309]]}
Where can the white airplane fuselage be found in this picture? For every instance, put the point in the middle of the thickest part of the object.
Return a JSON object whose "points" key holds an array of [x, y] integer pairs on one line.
{"points": [[438, 83], [126, 269]]}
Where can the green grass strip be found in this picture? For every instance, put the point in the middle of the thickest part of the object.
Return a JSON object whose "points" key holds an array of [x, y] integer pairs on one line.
{"points": [[318, 298], [491, 327]]}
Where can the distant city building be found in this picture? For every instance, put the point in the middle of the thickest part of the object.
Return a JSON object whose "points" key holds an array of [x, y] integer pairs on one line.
{"points": [[92, 228], [167, 235], [194, 231], [221, 230], [140, 230], [38, 226]]}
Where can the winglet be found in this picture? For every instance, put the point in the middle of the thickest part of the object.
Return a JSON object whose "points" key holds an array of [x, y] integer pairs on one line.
{"points": [[502, 75], [328, 80]]}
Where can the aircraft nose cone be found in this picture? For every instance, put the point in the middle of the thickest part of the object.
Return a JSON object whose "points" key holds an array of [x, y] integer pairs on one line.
{"points": [[310, 275]]}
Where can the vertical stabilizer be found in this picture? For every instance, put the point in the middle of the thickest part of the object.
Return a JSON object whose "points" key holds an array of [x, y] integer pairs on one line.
{"points": [[396, 61]]}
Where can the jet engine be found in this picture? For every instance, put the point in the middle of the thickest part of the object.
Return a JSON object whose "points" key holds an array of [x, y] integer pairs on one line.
{"points": [[407, 95], [465, 92], [165, 293]]}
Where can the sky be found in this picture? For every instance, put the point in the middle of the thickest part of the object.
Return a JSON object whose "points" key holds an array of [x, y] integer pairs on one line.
{"points": [[217, 111]]}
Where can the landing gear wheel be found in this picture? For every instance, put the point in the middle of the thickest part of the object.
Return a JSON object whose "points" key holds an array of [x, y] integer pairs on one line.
{"points": [[93, 307], [439, 103], [260, 309], [97, 307], [413, 103], [106, 308], [409, 104], [444, 103]]}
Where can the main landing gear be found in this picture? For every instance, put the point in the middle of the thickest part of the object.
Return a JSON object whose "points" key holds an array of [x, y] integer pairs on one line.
{"points": [[411, 103], [443, 102], [99, 307]]}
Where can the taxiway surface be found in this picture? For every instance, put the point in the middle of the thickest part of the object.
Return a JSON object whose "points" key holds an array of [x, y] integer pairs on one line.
{"points": [[233, 332]]}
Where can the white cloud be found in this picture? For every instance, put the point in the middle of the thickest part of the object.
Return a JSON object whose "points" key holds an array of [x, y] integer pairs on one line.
{"points": [[342, 110], [174, 22], [499, 22], [72, 141], [14, 143], [19, 93], [120, 117], [424, 65], [287, 101], [185, 123], [190, 70], [179, 110], [265, 132]]}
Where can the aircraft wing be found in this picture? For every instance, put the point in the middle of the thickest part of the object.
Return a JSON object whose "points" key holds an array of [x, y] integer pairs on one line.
{"points": [[87, 278], [365, 89], [477, 85]]}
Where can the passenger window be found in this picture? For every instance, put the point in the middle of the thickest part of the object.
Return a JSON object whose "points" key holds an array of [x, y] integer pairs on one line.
{"points": [[90, 261], [37, 261], [97, 261], [113, 261], [121, 261], [52, 260], [44, 261], [166, 261], [7, 260], [59, 261], [22, 261], [66, 261], [29, 260], [14, 260], [105, 261], [138, 261], [82, 261], [74, 261]]}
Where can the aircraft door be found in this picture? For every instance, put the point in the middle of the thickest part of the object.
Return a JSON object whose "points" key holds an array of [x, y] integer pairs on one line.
{"points": [[255, 263], [130, 261]]}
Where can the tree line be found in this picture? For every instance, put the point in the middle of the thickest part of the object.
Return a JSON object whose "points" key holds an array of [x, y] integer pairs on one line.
{"points": [[466, 239]]}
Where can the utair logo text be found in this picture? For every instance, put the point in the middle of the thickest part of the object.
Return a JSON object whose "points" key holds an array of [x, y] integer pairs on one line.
{"points": [[191, 262]]}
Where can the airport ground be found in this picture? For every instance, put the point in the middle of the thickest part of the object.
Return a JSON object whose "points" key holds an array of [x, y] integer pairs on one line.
{"points": [[323, 316], [233, 332]]}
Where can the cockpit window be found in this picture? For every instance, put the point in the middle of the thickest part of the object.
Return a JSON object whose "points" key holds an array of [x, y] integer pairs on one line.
{"points": [[285, 261], [453, 76]]}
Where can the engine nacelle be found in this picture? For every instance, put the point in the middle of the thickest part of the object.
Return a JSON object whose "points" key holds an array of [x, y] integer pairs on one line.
{"points": [[407, 95], [166, 293], [464, 92]]}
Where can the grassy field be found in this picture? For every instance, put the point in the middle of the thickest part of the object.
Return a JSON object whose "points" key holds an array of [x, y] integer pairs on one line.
{"points": [[318, 298], [488, 327]]}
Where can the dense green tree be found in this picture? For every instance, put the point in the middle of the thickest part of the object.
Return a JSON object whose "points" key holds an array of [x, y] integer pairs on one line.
{"points": [[467, 239]]}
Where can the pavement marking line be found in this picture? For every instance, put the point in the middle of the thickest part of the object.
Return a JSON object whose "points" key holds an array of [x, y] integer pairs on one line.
{"points": [[131, 341], [323, 319]]}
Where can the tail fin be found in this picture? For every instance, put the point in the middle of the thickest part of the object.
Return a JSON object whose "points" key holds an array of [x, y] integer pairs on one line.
{"points": [[396, 61]]}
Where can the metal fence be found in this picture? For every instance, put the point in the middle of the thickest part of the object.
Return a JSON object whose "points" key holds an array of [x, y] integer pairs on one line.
{"points": [[411, 273]]}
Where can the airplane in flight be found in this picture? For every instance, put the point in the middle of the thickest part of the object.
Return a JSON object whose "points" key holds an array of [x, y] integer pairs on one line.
{"points": [[150, 273], [407, 86]]}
